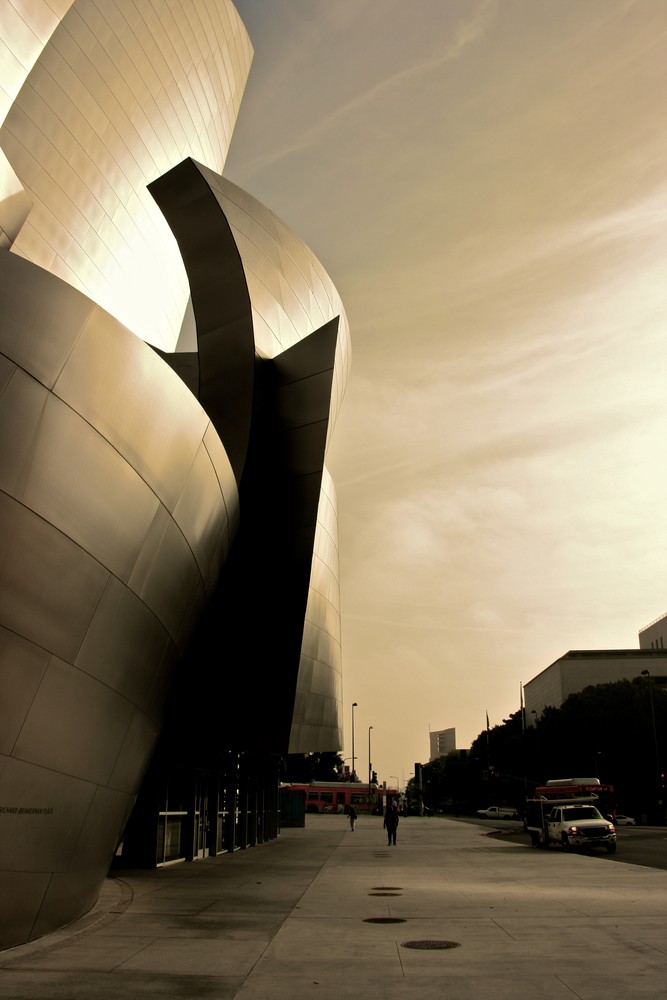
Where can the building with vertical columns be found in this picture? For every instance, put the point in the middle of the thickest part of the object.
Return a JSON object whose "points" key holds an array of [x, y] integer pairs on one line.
{"points": [[441, 743]]}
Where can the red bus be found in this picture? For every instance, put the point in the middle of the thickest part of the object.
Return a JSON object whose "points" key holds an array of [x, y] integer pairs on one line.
{"points": [[338, 796]]}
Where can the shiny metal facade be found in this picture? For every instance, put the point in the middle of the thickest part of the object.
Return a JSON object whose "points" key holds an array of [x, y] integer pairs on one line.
{"points": [[118, 500], [107, 97], [118, 510]]}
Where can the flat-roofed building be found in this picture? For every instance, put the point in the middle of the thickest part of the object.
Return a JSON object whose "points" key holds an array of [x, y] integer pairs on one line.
{"points": [[441, 743], [580, 668], [654, 635]]}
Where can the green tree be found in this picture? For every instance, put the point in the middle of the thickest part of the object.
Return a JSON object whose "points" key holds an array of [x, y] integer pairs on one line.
{"points": [[301, 768], [607, 731]]}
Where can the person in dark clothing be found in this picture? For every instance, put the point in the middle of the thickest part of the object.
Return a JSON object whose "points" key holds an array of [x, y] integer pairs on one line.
{"points": [[391, 822], [353, 818]]}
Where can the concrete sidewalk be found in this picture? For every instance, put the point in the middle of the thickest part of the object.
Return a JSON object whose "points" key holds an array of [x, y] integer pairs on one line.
{"points": [[290, 919]]}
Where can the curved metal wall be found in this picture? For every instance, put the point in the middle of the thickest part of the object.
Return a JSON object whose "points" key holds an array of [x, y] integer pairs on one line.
{"points": [[291, 293], [118, 506], [292, 296], [225, 234], [317, 721], [120, 92], [117, 497]]}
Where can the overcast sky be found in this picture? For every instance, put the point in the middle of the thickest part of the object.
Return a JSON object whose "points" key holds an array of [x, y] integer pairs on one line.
{"points": [[484, 180]]}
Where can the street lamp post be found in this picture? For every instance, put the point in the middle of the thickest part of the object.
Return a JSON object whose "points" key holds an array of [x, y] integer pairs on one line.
{"points": [[354, 705], [369, 770], [647, 673], [537, 742]]}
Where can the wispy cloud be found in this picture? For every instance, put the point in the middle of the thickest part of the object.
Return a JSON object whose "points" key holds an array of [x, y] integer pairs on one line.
{"points": [[467, 33], [633, 222]]}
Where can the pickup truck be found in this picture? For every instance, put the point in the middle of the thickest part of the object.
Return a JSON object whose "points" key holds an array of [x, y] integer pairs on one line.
{"points": [[498, 812], [580, 826], [570, 825]]}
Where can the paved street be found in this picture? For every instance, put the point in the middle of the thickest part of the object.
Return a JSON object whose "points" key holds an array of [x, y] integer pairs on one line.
{"points": [[637, 845], [327, 913]]}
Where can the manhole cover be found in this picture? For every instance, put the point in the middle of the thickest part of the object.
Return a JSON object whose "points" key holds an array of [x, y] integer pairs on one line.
{"points": [[430, 945], [384, 894], [384, 920]]}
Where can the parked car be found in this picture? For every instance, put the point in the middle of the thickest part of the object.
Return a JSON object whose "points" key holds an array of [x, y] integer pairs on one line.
{"points": [[622, 820], [498, 812]]}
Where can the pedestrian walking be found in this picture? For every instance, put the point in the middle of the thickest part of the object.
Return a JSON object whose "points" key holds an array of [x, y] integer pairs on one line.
{"points": [[390, 823], [353, 818]]}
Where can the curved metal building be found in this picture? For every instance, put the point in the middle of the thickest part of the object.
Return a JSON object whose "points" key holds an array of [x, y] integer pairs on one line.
{"points": [[172, 360]]}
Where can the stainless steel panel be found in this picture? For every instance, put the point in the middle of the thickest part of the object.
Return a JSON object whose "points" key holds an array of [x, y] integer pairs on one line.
{"points": [[7, 369], [42, 837], [38, 338], [136, 402], [75, 725], [22, 666], [323, 681], [26, 891], [134, 754], [316, 736], [50, 586], [301, 287], [166, 578], [161, 690], [220, 301], [202, 517], [300, 444], [305, 681], [59, 467], [68, 896], [309, 647], [309, 395], [223, 470], [98, 837], [125, 260], [125, 644], [328, 618], [314, 715], [15, 204]]}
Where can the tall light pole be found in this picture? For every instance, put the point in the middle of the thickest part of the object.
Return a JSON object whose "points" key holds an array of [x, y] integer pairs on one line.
{"points": [[354, 705], [647, 673], [369, 770], [538, 762]]}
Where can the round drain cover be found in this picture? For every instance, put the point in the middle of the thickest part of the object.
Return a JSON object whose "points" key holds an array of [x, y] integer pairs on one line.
{"points": [[384, 894], [384, 920], [387, 888], [431, 945]]}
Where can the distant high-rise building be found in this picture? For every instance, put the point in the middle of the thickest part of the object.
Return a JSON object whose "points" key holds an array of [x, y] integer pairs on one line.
{"points": [[442, 742]]}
